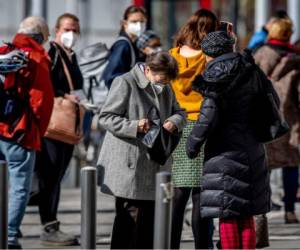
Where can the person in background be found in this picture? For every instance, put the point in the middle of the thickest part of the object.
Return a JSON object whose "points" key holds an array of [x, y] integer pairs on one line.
{"points": [[124, 53], [148, 43], [277, 58], [54, 158], [124, 168], [297, 47], [19, 142], [260, 37], [236, 177], [186, 173]]}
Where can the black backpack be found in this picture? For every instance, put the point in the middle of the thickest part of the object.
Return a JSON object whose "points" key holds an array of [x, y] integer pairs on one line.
{"points": [[268, 121], [12, 106]]}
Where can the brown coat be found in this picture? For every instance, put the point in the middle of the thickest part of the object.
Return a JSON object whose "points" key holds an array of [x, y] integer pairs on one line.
{"points": [[284, 72]]}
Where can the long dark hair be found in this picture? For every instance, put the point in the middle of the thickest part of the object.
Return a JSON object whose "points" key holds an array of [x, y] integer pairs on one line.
{"points": [[131, 10], [192, 33]]}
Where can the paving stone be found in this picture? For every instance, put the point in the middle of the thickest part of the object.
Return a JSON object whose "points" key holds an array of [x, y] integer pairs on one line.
{"points": [[282, 236]]}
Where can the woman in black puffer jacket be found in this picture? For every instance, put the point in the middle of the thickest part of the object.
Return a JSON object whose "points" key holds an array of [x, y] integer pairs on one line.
{"points": [[235, 176]]}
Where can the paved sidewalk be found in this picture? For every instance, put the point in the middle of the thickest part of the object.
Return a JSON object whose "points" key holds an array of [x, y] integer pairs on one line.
{"points": [[282, 236]]}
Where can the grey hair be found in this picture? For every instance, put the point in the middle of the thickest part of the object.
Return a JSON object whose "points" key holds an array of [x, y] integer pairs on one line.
{"points": [[34, 25]]}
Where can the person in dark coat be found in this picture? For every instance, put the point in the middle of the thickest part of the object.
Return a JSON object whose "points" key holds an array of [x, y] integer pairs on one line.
{"points": [[235, 176], [124, 54], [55, 156]]}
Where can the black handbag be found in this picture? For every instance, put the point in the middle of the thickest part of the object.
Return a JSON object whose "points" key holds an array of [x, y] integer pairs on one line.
{"points": [[160, 143], [268, 120]]}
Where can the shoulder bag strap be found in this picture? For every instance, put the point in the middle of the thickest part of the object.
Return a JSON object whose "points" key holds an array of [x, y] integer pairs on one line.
{"points": [[66, 70]]}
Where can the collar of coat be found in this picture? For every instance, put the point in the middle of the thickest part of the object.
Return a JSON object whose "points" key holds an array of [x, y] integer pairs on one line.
{"points": [[30, 45], [140, 77], [22, 40]]}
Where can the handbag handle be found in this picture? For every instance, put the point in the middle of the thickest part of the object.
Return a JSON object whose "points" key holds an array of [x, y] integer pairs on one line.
{"points": [[66, 70]]}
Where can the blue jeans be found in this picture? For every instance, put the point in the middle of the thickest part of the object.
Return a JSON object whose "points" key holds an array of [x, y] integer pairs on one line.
{"points": [[20, 163]]}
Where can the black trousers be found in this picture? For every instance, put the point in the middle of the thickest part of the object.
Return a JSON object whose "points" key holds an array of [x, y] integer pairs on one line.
{"points": [[133, 225], [290, 176], [51, 165], [202, 228]]}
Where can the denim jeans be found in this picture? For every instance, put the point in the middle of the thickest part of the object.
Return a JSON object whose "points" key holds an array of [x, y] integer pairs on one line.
{"points": [[20, 163]]}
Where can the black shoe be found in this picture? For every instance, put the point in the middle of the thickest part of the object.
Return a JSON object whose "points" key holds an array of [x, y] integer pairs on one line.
{"points": [[14, 246], [19, 234], [218, 245], [275, 206]]}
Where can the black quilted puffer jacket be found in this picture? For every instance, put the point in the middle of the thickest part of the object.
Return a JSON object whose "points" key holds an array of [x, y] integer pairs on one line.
{"points": [[235, 178]]}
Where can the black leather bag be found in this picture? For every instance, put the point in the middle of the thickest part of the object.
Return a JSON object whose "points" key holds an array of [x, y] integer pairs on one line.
{"points": [[160, 143]]}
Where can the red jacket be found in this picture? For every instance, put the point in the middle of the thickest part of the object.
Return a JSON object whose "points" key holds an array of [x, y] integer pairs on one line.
{"points": [[34, 80]]}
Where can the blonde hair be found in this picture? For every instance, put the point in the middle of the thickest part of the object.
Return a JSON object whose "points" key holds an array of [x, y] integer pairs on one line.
{"points": [[66, 16], [281, 29], [34, 25]]}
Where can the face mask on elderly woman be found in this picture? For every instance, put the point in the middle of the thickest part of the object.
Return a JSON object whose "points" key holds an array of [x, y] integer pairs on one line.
{"points": [[158, 80]]}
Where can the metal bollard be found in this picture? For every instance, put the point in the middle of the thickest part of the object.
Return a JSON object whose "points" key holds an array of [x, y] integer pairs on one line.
{"points": [[163, 211], [3, 204], [88, 207]]}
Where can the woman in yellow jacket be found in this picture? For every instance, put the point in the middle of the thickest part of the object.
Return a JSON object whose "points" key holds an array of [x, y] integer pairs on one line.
{"points": [[186, 173]]}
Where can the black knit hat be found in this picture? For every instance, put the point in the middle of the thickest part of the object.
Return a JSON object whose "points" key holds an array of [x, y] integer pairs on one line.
{"points": [[217, 43]]}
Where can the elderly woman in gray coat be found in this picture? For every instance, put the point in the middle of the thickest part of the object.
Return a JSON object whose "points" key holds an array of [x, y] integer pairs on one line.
{"points": [[125, 169]]}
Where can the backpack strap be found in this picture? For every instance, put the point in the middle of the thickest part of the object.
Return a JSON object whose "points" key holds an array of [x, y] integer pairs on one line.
{"points": [[133, 57]]}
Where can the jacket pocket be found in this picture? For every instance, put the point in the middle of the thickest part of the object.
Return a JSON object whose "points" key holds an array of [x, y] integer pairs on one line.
{"points": [[132, 156]]}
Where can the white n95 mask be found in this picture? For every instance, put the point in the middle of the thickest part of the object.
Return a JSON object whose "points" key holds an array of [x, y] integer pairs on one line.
{"points": [[68, 39], [136, 28]]}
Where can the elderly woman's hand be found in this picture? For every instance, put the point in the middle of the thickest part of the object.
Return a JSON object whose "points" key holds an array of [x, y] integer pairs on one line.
{"points": [[143, 126], [169, 126]]}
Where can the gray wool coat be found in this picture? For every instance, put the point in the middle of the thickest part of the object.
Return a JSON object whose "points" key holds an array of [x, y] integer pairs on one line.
{"points": [[124, 169]]}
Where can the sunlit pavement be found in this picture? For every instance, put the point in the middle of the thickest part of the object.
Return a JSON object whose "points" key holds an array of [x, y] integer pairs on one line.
{"points": [[282, 236]]}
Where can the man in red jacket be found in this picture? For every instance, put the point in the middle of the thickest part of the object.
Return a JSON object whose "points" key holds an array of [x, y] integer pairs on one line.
{"points": [[19, 142]]}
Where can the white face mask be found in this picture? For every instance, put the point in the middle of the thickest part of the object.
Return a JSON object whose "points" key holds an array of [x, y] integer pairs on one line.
{"points": [[159, 86], [136, 28], [68, 39]]}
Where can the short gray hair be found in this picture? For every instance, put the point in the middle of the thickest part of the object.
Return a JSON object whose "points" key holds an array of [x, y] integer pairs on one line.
{"points": [[34, 25]]}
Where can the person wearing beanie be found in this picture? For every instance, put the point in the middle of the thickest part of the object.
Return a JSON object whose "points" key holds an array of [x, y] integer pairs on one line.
{"points": [[235, 181], [217, 43], [148, 43]]}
